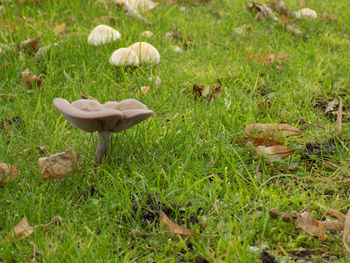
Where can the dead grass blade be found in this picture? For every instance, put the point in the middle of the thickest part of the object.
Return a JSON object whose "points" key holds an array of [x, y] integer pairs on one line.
{"points": [[346, 233]]}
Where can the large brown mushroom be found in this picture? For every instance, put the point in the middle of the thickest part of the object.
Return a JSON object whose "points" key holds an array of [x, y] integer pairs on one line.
{"points": [[90, 115]]}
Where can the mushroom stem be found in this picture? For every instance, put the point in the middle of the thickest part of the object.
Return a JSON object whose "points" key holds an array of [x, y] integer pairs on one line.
{"points": [[104, 142]]}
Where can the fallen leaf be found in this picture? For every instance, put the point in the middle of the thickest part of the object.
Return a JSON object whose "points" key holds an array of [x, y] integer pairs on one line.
{"points": [[257, 141], [274, 152], [59, 28], [271, 130], [30, 79], [30, 45], [330, 106], [280, 7], [274, 212], [209, 92], [310, 225], [261, 10], [174, 228], [284, 18], [21, 230], [59, 165], [283, 56], [8, 173], [44, 50], [269, 58], [332, 225], [289, 216], [178, 36], [332, 212], [329, 17]]}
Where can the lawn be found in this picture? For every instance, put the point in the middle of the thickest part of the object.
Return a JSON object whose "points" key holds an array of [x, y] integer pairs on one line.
{"points": [[190, 159]]}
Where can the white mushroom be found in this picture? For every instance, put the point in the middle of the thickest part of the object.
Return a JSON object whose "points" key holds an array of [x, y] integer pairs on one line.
{"points": [[142, 5], [147, 53], [103, 34], [306, 13], [146, 34], [124, 57]]}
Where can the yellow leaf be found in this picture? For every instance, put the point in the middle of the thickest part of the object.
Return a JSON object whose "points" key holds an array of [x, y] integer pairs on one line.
{"points": [[174, 228]]}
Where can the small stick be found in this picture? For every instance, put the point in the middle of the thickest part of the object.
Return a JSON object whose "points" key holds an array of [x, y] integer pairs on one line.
{"points": [[303, 3], [340, 116]]}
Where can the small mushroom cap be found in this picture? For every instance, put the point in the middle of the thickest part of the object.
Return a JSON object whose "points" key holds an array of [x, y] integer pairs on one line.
{"points": [[147, 53], [307, 13], [90, 115], [143, 5], [124, 57], [103, 34]]}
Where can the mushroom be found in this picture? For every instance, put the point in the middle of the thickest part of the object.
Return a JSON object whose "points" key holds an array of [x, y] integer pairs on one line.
{"points": [[306, 13], [143, 5], [89, 115], [124, 57], [103, 34], [147, 53]]}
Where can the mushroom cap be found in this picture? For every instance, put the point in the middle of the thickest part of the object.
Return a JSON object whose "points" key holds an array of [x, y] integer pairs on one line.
{"points": [[307, 13], [147, 53], [103, 34], [90, 115], [143, 5], [124, 57]]}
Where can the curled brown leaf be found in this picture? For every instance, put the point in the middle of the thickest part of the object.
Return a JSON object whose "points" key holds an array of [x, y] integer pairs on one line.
{"points": [[59, 165], [174, 228]]}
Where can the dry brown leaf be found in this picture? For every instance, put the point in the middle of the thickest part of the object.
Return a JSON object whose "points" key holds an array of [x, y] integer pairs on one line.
{"points": [[60, 164], [332, 212], [329, 17], [302, 4], [283, 56], [30, 79], [21, 230], [261, 10], [59, 28], [284, 18], [257, 141], [271, 130], [281, 7], [174, 228], [209, 92], [8, 173], [332, 225], [346, 233], [311, 226], [31, 45], [274, 152]]}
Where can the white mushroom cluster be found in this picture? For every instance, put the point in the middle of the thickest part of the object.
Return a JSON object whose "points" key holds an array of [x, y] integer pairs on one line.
{"points": [[306, 13], [137, 53]]}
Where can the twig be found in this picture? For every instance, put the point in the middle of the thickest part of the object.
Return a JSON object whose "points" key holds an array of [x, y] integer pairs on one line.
{"points": [[339, 116], [303, 3]]}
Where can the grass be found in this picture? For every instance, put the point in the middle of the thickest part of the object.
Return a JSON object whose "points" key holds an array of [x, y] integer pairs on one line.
{"points": [[188, 151]]}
